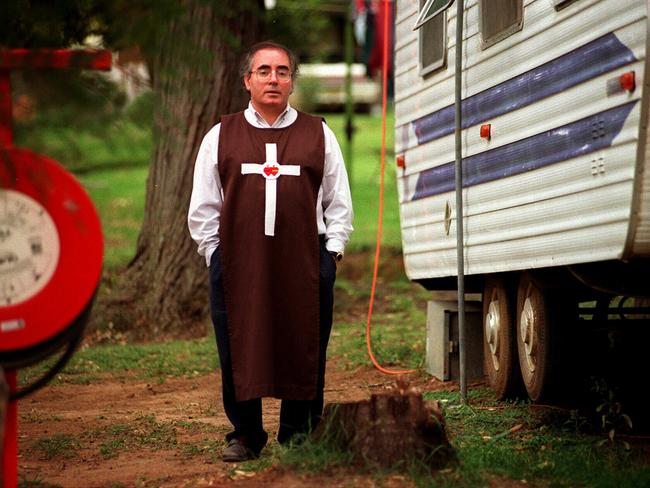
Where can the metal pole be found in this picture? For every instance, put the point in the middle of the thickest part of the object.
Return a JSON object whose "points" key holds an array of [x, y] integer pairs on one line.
{"points": [[8, 431], [349, 105], [4, 406], [6, 128], [459, 201]]}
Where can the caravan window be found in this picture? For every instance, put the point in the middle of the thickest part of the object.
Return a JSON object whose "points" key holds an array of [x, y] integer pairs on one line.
{"points": [[499, 19], [433, 43]]}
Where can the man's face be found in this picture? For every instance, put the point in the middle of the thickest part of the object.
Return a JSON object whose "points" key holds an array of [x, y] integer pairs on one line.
{"points": [[272, 92]]}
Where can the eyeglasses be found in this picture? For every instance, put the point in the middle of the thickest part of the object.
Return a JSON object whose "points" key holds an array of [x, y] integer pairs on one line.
{"points": [[283, 75]]}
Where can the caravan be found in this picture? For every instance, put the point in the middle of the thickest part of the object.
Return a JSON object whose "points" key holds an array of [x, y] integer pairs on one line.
{"points": [[556, 173]]}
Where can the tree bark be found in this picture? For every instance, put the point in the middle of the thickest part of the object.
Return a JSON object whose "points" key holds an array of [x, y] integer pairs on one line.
{"points": [[195, 81]]}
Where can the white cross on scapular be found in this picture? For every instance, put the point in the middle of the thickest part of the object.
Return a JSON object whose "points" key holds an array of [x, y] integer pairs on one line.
{"points": [[271, 171]]}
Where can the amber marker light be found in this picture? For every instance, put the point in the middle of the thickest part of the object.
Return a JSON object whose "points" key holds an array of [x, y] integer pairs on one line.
{"points": [[627, 81], [401, 161], [486, 131]]}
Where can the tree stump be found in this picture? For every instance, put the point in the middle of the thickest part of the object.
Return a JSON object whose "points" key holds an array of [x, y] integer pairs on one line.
{"points": [[391, 428]]}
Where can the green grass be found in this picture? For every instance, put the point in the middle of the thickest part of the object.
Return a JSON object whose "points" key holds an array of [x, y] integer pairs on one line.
{"points": [[81, 121], [398, 338], [193, 427], [546, 450], [143, 432], [59, 446], [108, 147], [365, 169], [207, 447], [116, 143], [34, 483], [153, 362], [119, 196], [398, 331], [309, 457]]}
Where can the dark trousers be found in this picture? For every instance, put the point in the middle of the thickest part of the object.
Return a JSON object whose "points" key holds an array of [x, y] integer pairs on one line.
{"points": [[296, 416]]}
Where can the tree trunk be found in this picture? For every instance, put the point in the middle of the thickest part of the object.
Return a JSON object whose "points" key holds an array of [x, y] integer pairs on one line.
{"points": [[195, 81]]}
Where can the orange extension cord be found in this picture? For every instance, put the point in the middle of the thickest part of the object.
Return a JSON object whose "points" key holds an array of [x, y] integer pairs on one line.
{"points": [[381, 200]]}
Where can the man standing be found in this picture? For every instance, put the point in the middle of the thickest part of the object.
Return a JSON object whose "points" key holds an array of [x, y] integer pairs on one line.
{"points": [[271, 212]]}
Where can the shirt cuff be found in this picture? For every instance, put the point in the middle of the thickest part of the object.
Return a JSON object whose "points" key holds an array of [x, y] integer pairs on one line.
{"points": [[334, 245], [208, 256]]}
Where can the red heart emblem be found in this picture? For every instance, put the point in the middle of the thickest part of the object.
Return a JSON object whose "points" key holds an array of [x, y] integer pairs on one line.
{"points": [[271, 170]]}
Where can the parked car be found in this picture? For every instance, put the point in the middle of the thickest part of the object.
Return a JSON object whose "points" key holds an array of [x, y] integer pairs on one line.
{"points": [[321, 87]]}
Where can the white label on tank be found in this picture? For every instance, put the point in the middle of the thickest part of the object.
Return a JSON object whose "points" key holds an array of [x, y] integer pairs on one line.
{"points": [[10, 325]]}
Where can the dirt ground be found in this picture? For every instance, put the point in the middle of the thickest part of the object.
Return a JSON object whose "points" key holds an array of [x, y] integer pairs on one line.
{"points": [[191, 406], [128, 433]]}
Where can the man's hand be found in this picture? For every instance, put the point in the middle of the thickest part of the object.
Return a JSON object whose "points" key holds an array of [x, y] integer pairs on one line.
{"points": [[336, 256]]}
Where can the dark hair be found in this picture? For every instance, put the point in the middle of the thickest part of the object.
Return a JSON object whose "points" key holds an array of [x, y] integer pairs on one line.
{"points": [[247, 59]]}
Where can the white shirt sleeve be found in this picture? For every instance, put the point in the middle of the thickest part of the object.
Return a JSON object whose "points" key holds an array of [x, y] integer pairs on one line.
{"points": [[207, 196], [337, 202]]}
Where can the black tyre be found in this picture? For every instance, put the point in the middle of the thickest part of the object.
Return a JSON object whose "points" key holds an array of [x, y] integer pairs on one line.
{"points": [[499, 338], [534, 336]]}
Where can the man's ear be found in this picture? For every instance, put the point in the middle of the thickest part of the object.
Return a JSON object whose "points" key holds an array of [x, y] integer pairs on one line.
{"points": [[247, 83]]}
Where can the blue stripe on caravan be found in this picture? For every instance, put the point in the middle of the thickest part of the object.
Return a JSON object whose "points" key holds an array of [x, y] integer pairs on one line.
{"points": [[589, 61], [568, 141]]}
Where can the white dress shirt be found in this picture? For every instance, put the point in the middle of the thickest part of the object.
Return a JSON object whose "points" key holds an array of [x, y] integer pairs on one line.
{"points": [[333, 207]]}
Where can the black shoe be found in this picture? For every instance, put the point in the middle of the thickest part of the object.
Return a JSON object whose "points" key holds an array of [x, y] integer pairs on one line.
{"points": [[237, 451]]}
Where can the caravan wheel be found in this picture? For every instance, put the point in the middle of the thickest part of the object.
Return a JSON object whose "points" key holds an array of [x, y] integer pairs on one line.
{"points": [[499, 350], [533, 337]]}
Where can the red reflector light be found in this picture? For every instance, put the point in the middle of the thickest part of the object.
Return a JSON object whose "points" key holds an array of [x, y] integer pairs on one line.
{"points": [[627, 81], [486, 131], [401, 161]]}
